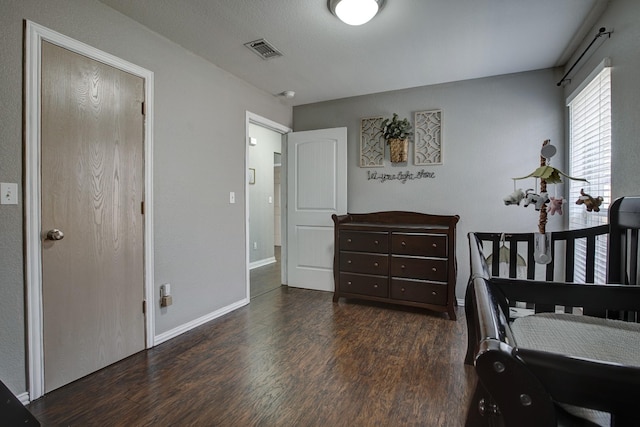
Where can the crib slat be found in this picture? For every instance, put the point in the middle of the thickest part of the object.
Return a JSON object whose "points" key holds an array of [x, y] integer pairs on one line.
{"points": [[570, 259], [513, 260], [531, 262], [591, 259], [495, 250], [633, 258], [551, 267]]}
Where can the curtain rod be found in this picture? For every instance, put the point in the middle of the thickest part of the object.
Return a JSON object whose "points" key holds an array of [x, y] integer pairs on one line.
{"points": [[601, 33]]}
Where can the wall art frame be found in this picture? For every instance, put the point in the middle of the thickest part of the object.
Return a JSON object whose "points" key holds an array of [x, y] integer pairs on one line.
{"points": [[427, 145], [371, 142]]}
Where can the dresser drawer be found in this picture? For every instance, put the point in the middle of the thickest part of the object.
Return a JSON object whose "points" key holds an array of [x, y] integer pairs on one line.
{"points": [[434, 245], [358, 262], [364, 284], [364, 241], [419, 268], [418, 291]]}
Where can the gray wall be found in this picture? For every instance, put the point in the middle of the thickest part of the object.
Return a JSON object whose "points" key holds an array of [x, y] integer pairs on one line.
{"points": [[199, 158], [623, 48], [261, 212], [493, 130]]}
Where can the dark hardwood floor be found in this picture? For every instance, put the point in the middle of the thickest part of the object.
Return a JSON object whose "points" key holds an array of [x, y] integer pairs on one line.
{"points": [[266, 278], [290, 358]]}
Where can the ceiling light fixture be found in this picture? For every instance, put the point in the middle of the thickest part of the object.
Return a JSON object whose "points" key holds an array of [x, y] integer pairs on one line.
{"points": [[355, 12]]}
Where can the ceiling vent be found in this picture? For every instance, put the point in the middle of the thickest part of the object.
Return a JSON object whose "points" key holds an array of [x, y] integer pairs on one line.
{"points": [[263, 49]]}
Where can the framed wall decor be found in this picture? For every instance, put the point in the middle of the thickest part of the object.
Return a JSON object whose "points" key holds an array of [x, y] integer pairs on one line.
{"points": [[371, 142], [428, 138]]}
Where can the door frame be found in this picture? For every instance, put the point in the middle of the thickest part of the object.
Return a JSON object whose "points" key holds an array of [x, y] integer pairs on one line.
{"points": [[251, 118], [35, 34]]}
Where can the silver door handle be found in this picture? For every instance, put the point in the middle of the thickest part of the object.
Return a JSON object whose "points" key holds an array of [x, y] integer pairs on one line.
{"points": [[55, 234]]}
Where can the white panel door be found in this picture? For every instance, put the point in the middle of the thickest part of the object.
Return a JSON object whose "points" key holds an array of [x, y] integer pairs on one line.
{"points": [[316, 189]]}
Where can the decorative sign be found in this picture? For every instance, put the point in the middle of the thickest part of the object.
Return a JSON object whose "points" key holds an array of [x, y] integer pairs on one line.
{"points": [[428, 138], [371, 142], [403, 177]]}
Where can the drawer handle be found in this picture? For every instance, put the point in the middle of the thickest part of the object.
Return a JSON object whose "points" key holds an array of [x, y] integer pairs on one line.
{"points": [[435, 245], [349, 282], [376, 242], [349, 240], [403, 243], [434, 293], [403, 266], [375, 264], [402, 289], [348, 261], [375, 285], [434, 269]]}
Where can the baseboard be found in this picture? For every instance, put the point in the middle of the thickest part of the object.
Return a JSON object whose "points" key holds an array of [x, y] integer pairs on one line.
{"points": [[460, 302], [166, 336], [24, 398], [262, 262]]}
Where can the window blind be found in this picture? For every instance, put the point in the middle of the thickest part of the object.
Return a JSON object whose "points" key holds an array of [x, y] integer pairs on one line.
{"points": [[590, 158]]}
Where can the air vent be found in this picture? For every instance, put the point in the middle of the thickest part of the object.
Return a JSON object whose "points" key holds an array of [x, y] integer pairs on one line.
{"points": [[263, 49]]}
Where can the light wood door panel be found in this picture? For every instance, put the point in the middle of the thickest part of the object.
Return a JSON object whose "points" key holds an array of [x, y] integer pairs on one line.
{"points": [[317, 188], [92, 187]]}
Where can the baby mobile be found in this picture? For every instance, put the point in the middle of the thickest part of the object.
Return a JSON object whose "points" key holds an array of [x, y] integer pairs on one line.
{"points": [[546, 204]]}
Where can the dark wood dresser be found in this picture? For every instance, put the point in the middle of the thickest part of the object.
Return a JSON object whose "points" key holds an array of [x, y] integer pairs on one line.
{"points": [[397, 257]]}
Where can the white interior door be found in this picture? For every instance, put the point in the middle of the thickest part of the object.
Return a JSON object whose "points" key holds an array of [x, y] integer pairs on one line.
{"points": [[316, 189]]}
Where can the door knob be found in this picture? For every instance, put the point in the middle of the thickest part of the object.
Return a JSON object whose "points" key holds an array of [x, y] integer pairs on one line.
{"points": [[55, 234]]}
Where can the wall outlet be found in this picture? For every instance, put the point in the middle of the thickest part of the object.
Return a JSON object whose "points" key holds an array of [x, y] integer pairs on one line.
{"points": [[8, 193], [165, 290], [255, 245]]}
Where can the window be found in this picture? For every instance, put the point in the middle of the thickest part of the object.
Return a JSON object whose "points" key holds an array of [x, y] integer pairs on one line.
{"points": [[590, 158]]}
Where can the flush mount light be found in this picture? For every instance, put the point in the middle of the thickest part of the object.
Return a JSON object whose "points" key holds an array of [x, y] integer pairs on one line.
{"points": [[355, 12]]}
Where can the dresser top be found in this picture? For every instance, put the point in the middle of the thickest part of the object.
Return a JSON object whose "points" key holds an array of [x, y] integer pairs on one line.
{"points": [[396, 220], [372, 226]]}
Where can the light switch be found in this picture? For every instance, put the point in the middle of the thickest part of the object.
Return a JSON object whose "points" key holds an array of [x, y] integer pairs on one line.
{"points": [[8, 193], [232, 197], [270, 199]]}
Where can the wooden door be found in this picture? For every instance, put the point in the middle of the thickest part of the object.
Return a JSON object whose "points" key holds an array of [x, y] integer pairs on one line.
{"points": [[317, 188], [92, 185]]}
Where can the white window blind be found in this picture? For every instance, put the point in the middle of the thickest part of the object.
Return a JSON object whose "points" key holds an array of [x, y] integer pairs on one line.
{"points": [[590, 158]]}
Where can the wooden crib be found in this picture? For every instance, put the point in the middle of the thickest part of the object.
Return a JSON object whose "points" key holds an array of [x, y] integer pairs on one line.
{"points": [[549, 351]]}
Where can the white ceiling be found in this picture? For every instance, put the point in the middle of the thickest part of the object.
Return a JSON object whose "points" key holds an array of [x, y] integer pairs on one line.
{"points": [[410, 43]]}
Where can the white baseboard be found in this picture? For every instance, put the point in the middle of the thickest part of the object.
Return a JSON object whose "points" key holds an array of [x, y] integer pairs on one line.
{"points": [[166, 336], [24, 398], [262, 262], [460, 302]]}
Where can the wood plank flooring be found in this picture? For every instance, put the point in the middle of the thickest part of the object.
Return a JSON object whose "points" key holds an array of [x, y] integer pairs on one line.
{"points": [[291, 357], [266, 278]]}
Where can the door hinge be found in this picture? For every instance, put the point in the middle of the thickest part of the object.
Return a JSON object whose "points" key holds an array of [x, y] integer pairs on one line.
{"points": [[143, 108], [142, 208], [144, 307]]}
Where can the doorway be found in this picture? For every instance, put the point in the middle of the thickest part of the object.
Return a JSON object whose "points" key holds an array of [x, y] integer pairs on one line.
{"points": [[112, 179], [264, 201]]}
